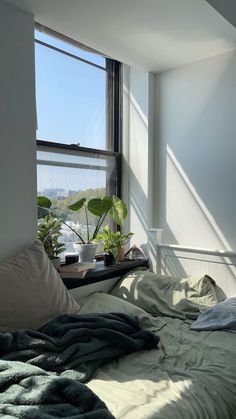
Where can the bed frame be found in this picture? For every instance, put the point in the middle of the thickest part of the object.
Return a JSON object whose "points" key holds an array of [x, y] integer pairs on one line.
{"points": [[185, 261]]}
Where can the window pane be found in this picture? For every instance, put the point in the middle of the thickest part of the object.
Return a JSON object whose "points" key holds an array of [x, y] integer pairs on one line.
{"points": [[71, 100], [79, 52], [65, 178]]}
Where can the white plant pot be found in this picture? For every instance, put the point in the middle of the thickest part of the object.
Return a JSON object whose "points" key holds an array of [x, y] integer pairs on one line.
{"points": [[85, 251]]}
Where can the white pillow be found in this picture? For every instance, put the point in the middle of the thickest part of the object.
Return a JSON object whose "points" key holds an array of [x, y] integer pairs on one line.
{"points": [[31, 291], [220, 317]]}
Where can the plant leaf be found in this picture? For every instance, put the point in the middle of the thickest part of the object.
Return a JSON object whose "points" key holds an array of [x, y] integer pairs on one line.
{"points": [[77, 205], [118, 211], [98, 206], [44, 202], [42, 212], [44, 205], [107, 230]]}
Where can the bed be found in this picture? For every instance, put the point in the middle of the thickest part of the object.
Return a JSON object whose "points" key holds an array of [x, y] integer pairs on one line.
{"points": [[184, 373]]}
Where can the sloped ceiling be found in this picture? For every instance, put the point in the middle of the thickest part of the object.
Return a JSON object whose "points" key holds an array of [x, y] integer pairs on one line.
{"points": [[226, 8], [152, 34]]}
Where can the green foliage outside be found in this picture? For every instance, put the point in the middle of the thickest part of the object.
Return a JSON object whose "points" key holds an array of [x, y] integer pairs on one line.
{"points": [[78, 217]]}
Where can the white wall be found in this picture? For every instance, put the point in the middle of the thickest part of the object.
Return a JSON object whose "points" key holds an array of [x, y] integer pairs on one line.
{"points": [[138, 107], [195, 191], [17, 131]]}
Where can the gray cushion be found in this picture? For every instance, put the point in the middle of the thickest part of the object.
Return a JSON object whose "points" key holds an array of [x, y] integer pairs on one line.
{"points": [[106, 303], [220, 317], [31, 291]]}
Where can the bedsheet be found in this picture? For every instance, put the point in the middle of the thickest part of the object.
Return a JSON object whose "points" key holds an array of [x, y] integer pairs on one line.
{"points": [[191, 376]]}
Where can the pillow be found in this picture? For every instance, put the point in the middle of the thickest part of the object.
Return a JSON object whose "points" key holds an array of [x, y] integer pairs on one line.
{"points": [[31, 291], [106, 303], [220, 317], [184, 298]]}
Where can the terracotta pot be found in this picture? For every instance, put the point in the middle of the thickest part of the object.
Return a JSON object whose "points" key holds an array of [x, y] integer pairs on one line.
{"points": [[121, 254]]}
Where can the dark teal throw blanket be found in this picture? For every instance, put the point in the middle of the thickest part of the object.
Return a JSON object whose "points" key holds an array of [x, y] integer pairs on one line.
{"points": [[41, 371]]}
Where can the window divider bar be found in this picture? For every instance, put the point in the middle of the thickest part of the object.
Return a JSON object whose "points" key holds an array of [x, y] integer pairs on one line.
{"points": [[71, 149], [69, 54], [118, 123], [70, 165], [51, 32]]}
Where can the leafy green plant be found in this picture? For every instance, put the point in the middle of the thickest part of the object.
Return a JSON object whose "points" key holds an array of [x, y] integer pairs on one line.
{"points": [[118, 211], [112, 241], [49, 232], [98, 207]]}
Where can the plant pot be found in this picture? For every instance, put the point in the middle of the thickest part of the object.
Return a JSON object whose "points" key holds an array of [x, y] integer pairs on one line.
{"points": [[109, 259], [56, 263], [121, 254], [85, 251]]}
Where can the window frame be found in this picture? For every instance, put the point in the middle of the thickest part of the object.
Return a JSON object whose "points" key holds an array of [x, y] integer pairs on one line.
{"points": [[114, 111]]}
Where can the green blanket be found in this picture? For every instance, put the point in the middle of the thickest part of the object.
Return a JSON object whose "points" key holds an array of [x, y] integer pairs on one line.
{"points": [[28, 392], [41, 371]]}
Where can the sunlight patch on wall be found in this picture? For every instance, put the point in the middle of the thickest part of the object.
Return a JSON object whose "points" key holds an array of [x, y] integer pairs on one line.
{"points": [[187, 216], [136, 152]]}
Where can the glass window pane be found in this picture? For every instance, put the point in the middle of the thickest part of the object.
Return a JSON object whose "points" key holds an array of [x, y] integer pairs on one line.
{"points": [[71, 100], [72, 49], [65, 178]]}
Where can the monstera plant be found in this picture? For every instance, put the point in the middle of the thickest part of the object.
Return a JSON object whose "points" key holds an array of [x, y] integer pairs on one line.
{"points": [[99, 208]]}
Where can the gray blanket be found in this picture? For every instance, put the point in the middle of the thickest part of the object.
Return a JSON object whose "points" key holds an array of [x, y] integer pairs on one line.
{"points": [[41, 371]]}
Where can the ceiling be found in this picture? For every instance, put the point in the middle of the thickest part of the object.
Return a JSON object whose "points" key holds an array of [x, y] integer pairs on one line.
{"points": [[227, 8], [154, 35]]}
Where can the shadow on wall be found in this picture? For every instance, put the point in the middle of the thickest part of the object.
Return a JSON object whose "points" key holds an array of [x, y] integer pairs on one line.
{"points": [[197, 154], [189, 215], [138, 203], [136, 149], [196, 172], [189, 138], [186, 213]]}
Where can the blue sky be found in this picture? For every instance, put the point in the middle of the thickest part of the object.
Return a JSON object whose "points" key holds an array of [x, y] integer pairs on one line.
{"points": [[71, 101]]}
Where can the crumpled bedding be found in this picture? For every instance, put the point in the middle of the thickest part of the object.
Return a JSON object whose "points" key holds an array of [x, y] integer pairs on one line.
{"points": [[42, 371], [191, 376]]}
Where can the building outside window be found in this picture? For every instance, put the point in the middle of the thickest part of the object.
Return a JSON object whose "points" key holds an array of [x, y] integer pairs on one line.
{"points": [[78, 121]]}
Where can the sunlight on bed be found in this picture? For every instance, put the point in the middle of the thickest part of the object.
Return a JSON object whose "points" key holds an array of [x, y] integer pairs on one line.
{"points": [[140, 396]]}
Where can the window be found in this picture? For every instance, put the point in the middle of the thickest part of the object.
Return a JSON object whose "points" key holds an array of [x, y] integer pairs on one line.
{"points": [[78, 118]]}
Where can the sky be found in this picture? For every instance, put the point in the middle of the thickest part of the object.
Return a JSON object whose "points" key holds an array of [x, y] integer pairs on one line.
{"points": [[71, 109]]}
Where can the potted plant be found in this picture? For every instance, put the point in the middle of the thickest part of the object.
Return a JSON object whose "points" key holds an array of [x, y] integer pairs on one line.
{"points": [[112, 243], [119, 214], [98, 208], [85, 245], [49, 232], [101, 208]]}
